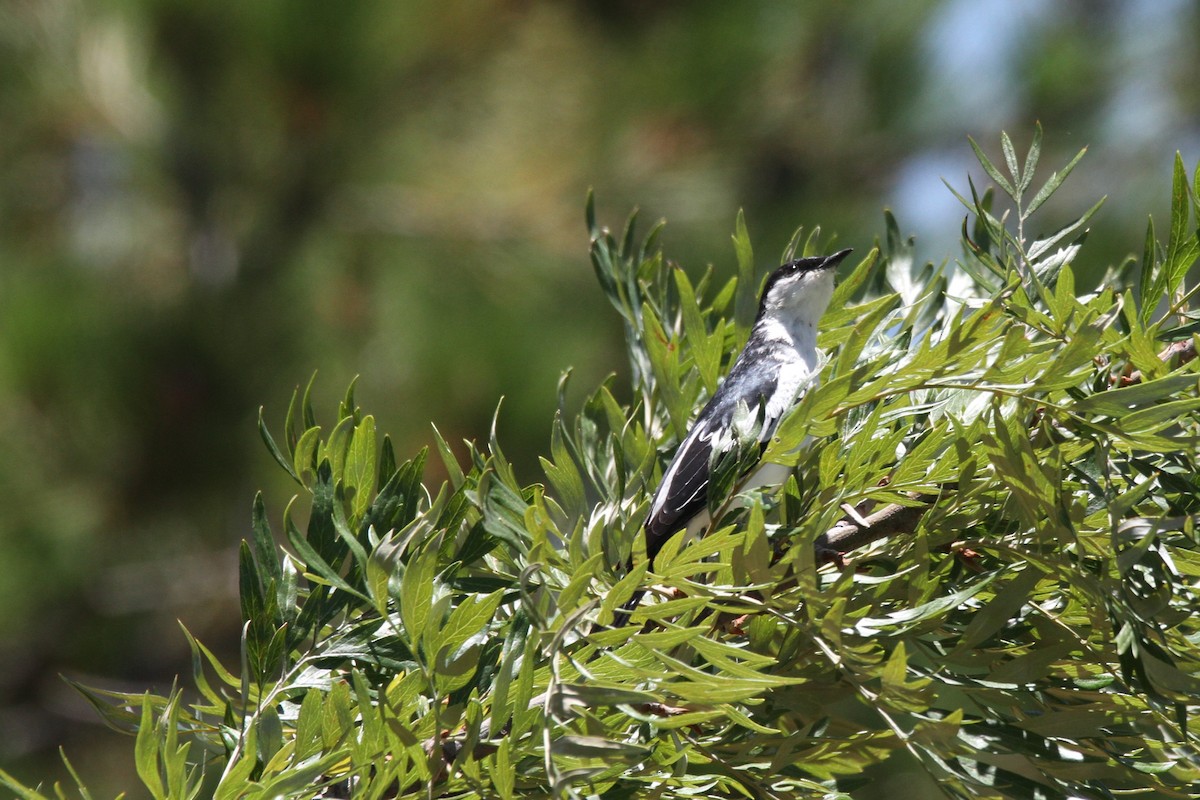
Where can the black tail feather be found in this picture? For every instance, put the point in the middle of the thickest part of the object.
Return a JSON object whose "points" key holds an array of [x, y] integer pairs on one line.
{"points": [[621, 617]]}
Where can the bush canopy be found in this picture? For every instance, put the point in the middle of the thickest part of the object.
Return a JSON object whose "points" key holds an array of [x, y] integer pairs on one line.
{"points": [[1007, 464]]}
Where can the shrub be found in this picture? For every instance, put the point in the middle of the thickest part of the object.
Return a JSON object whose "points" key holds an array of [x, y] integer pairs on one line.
{"points": [[1008, 465]]}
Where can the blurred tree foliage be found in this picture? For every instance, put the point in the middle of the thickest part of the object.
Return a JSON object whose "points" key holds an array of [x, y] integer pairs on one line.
{"points": [[203, 202]]}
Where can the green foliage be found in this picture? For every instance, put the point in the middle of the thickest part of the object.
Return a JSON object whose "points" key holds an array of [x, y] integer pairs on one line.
{"points": [[1029, 635]]}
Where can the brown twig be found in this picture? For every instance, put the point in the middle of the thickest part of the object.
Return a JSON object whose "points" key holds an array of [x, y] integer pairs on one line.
{"points": [[889, 520], [1184, 350]]}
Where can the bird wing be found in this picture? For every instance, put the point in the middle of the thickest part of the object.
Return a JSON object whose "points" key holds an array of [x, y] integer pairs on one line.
{"points": [[683, 492]]}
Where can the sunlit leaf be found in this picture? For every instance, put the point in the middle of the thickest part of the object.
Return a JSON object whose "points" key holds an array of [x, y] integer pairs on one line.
{"points": [[1052, 183]]}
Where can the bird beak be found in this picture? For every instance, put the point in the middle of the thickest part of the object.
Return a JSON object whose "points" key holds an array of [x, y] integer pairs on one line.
{"points": [[835, 259]]}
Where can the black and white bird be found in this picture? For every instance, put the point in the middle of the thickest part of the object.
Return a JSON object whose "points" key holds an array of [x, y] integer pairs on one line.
{"points": [[768, 377]]}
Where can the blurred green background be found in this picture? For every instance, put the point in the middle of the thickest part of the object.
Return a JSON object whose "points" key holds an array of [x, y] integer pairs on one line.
{"points": [[201, 203]]}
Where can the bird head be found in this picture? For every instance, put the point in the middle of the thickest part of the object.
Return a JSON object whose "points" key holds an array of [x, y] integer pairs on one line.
{"points": [[801, 289]]}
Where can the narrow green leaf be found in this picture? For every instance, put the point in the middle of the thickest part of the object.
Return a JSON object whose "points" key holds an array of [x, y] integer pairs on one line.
{"points": [[597, 747], [1010, 159], [387, 461], [906, 619], [664, 358], [589, 213], [704, 347], [1148, 301], [202, 655], [416, 593], [860, 324], [360, 470], [1033, 666], [237, 773], [1074, 724], [727, 689], [513, 649], [898, 692], [305, 454], [1157, 417], [1180, 203], [19, 789], [348, 539], [298, 780], [1169, 680], [336, 446], [524, 713], [308, 726], [813, 241], [746, 302], [621, 591], [472, 616], [1031, 159], [266, 553], [991, 170], [448, 459], [321, 532], [1196, 184], [270, 733], [794, 244], [146, 750], [849, 286], [1051, 185], [563, 472], [116, 708], [1005, 604], [250, 589], [307, 418], [503, 773], [1124, 400], [628, 236], [319, 567], [289, 425], [378, 577], [273, 448], [1183, 246], [1043, 245], [348, 408]]}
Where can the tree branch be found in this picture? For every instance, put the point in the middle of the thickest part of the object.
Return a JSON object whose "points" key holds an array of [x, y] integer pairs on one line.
{"points": [[889, 520], [851, 534]]}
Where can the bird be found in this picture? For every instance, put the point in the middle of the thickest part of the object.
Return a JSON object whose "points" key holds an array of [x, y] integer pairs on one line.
{"points": [[767, 378]]}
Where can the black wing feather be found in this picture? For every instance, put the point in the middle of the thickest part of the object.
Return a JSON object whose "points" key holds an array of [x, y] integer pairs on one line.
{"points": [[684, 492], [684, 496]]}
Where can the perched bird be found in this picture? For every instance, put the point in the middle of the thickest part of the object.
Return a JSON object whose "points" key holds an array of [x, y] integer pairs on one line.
{"points": [[766, 380]]}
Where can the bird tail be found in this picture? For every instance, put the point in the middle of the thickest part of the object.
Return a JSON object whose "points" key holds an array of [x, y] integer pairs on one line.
{"points": [[621, 616]]}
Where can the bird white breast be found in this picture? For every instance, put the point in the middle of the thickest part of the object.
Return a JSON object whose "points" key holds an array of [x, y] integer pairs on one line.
{"points": [[792, 378]]}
